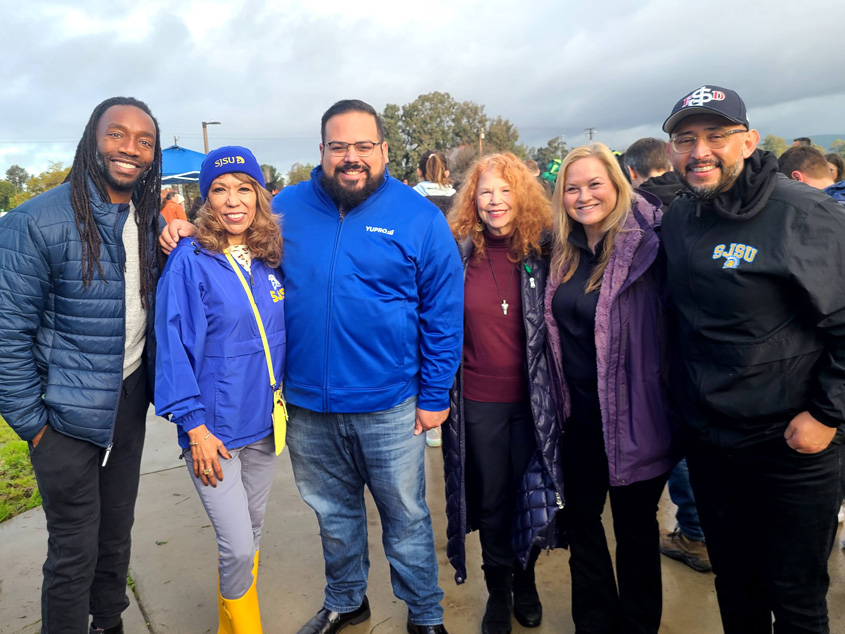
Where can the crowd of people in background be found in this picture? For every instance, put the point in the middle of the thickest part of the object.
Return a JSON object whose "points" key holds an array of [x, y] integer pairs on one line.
{"points": [[674, 313]]}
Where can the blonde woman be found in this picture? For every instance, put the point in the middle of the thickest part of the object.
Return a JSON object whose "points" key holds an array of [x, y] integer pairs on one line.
{"points": [[436, 183], [609, 344]]}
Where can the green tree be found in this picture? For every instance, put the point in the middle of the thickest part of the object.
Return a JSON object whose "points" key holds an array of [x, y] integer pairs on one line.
{"points": [[555, 149], [502, 136], [775, 144], [7, 192], [272, 176], [52, 177], [18, 199], [436, 121], [299, 172], [397, 153], [17, 176], [838, 146]]}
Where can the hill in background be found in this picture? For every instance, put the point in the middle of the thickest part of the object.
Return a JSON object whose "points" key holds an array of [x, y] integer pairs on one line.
{"points": [[821, 139]]}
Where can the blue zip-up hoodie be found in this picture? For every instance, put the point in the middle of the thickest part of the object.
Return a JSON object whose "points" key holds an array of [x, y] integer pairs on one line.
{"points": [[375, 300], [62, 344], [210, 365], [837, 192]]}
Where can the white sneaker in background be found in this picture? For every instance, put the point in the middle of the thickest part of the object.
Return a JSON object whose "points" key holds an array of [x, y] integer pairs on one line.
{"points": [[842, 514], [433, 437]]}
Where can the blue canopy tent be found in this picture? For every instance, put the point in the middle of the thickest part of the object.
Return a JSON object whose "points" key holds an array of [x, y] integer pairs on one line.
{"points": [[180, 165]]}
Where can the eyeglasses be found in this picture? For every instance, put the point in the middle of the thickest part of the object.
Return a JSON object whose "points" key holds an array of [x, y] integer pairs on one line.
{"points": [[362, 148], [685, 143]]}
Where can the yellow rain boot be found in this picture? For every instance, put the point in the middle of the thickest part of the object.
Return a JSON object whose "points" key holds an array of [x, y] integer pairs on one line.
{"points": [[223, 616], [243, 612]]}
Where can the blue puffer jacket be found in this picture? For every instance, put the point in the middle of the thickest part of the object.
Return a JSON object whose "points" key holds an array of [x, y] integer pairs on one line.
{"points": [[63, 346], [211, 368], [540, 494]]}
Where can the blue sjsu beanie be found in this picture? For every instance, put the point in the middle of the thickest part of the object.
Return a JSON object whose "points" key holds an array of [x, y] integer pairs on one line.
{"points": [[225, 160]]}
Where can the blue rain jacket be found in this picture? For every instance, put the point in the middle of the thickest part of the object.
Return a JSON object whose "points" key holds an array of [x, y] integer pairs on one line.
{"points": [[210, 364]]}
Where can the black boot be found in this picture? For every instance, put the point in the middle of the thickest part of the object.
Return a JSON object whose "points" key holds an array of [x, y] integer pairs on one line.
{"points": [[497, 616], [526, 602]]}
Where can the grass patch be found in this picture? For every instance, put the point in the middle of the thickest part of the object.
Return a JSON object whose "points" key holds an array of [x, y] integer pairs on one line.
{"points": [[18, 490]]}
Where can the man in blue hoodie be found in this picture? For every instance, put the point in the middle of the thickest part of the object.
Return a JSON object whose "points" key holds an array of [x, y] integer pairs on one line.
{"points": [[374, 320]]}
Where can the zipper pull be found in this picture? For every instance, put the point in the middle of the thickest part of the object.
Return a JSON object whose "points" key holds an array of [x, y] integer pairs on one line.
{"points": [[251, 281], [558, 501], [531, 282], [106, 457]]}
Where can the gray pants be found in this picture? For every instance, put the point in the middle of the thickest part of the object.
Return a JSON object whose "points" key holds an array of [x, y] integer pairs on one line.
{"points": [[236, 510]]}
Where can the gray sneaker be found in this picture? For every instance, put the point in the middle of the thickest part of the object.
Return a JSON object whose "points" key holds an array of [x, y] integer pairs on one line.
{"points": [[678, 546]]}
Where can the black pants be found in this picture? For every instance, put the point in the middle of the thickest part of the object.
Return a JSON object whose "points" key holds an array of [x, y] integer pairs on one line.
{"points": [[769, 517], [90, 510], [597, 606], [500, 442]]}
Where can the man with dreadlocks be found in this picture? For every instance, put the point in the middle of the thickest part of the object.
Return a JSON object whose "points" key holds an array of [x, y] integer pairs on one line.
{"points": [[78, 267]]}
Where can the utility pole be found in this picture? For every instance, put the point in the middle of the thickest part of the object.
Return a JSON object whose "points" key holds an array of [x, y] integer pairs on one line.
{"points": [[175, 140], [590, 132], [205, 124], [480, 142], [562, 143]]}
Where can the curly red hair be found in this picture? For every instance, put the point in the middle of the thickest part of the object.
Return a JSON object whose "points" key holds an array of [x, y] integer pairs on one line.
{"points": [[532, 209]]}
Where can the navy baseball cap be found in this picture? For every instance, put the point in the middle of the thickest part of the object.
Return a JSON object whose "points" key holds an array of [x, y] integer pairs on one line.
{"points": [[708, 100]]}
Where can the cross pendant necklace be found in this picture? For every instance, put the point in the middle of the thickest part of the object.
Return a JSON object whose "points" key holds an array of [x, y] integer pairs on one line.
{"points": [[504, 299]]}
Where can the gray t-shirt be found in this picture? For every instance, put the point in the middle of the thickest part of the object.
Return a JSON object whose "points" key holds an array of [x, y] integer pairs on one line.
{"points": [[136, 314]]}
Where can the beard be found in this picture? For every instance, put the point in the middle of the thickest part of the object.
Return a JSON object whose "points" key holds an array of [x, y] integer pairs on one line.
{"points": [[707, 192], [346, 197], [122, 184]]}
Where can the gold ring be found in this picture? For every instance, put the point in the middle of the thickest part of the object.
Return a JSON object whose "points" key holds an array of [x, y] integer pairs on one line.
{"points": [[207, 471]]}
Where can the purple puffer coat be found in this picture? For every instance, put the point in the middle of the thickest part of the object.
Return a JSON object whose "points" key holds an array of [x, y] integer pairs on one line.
{"points": [[634, 352]]}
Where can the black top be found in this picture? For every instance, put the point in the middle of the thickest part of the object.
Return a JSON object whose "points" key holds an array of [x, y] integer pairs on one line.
{"points": [[575, 314]]}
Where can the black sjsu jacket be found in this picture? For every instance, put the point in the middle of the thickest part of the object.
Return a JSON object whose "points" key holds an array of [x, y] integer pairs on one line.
{"points": [[758, 277]]}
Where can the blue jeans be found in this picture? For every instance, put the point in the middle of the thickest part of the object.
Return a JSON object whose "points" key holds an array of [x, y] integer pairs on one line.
{"points": [[333, 457], [681, 493]]}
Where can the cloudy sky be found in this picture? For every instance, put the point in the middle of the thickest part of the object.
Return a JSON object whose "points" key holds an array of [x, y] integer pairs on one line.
{"points": [[267, 70]]}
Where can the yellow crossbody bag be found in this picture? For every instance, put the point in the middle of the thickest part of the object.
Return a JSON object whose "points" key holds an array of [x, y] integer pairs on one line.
{"points": [[280, 410]]}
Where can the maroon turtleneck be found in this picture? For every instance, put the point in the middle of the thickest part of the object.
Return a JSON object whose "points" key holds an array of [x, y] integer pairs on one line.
{"points": [[494, 343]]}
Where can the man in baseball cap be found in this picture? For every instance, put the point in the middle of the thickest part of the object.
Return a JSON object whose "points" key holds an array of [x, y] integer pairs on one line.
{"points": [[756, 267]]}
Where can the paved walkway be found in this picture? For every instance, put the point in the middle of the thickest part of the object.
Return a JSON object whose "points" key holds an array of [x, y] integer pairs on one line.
{"points": [[173, 565]]}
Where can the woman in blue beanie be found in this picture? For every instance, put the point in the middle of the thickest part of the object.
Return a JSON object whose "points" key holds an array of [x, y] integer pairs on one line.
{"points": [[220, 331]]}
